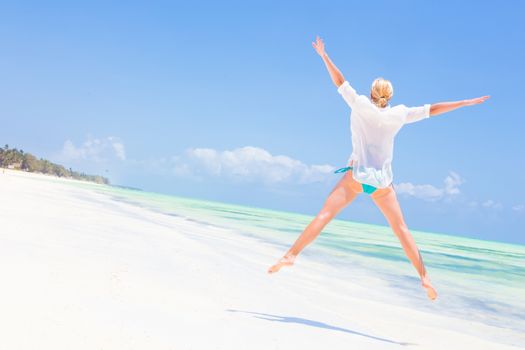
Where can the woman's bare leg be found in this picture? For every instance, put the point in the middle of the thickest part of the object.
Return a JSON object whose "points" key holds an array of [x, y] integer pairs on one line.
{"points": [[386, 201], [343, 194]]}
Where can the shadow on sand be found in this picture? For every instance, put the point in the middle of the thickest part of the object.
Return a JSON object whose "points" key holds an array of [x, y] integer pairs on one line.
{"points": [[312, 323]]}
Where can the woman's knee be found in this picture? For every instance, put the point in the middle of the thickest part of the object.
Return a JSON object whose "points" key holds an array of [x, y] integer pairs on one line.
{"points": [[400, 228], [326, 214]]}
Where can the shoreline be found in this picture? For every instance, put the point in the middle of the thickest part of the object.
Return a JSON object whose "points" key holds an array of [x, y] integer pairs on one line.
{"points": [[459, 236]]}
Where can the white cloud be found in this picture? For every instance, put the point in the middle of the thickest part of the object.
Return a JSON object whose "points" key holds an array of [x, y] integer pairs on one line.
{"points": [[519, 207], [248, 164], [430, 192], [491, 204], [93, 149], [118, 147], [452, 182]]}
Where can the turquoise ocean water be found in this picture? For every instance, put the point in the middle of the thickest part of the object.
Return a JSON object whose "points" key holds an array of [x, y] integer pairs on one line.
{"points": [[479, 281]]}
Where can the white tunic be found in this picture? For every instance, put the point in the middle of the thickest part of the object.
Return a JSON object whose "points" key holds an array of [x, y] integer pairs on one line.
{"points": [[373, 130]]}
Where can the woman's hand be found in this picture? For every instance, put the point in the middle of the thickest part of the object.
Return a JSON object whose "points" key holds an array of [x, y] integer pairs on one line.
{"points": [[335, 74], [319, 46], [476, 101]]}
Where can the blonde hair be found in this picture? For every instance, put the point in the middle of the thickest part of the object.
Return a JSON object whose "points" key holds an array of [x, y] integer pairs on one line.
{"points": [[381, 92]]}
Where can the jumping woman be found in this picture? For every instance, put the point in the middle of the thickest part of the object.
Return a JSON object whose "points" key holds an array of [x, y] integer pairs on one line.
{"points": [[374, 124]]}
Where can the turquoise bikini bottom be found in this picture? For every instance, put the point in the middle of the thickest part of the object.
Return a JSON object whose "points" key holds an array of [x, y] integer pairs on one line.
{"points": [[366, 188]]}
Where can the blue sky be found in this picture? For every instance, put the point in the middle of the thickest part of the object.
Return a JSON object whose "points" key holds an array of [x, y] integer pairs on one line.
{"points": [[228, 101]]}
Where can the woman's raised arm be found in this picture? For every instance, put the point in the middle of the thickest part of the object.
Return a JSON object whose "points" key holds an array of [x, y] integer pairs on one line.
{"points": [[335, 74], [443, 107]]}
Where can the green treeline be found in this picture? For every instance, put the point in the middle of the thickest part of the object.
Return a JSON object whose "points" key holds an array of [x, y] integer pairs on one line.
{"points": [[17, 159]]}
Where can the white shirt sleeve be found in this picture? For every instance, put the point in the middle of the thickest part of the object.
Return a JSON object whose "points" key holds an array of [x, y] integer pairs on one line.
{"points": [[348, 93], [415, 114]]}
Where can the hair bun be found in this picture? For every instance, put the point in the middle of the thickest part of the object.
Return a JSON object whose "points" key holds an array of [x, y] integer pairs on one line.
{"points": [[381, 92]]}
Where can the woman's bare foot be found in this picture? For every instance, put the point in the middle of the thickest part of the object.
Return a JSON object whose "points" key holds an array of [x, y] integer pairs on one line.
{"points": [[286, 260], [431, 292]]}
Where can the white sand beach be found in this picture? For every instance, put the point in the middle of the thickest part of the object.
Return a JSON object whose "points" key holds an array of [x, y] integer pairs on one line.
{"points": [[81, 270]]}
